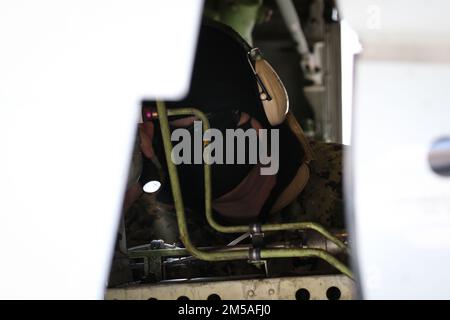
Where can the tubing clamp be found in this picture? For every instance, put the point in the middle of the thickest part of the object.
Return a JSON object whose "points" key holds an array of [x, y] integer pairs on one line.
{"points": [[256, 235], [254, 255]]}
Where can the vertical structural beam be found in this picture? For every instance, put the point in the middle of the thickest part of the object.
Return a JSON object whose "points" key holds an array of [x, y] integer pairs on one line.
{"points": [[332, 77], [292, 21]]}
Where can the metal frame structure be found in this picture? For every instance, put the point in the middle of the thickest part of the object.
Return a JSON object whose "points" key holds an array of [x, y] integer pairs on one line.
{"points": [[321, 287], [253, 254]]}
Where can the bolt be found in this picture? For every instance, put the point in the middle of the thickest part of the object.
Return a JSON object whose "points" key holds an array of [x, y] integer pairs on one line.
{"points": [[251, 293], [271, 292]]}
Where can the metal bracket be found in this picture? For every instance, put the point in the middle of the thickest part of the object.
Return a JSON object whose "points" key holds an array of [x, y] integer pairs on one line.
{"points": [[254, 255], [256, 235]]}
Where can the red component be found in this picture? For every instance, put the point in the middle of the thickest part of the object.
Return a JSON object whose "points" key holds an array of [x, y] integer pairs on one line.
{"points": [[148, 114]]}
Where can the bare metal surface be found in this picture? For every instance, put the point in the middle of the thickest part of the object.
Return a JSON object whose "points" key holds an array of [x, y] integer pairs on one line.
{"points": [[254, 289]]}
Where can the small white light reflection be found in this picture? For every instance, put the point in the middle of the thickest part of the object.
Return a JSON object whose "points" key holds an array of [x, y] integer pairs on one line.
{"points": [[152, 186]]}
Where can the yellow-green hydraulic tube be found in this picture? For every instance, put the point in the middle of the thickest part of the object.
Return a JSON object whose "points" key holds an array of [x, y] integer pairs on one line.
{"points": [[244, 228], [181, 218]]}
